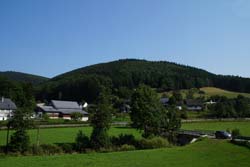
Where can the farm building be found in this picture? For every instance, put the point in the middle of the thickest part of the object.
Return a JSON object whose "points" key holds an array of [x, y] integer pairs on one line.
{"points": [[7, 106], [194, 104], [164, 101], [61, 109]]}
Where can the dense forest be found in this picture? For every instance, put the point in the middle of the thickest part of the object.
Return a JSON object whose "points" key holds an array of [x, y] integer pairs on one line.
{"points": [[23, 77], [20, 92], [85, 83]]}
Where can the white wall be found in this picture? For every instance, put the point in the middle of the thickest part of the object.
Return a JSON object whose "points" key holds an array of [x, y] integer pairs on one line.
{"points": [[4, 114], [85, 118]]}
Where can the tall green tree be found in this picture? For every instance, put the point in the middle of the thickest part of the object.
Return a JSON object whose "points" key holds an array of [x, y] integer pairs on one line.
{"points": [[21, 120], [149, 115], [146, 110], [101, 120], [176, 98], [170, 124]]}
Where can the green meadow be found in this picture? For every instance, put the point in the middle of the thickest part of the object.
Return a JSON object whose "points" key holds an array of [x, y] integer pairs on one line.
{"points": [[206, 153], [211, 91], [67, 135], [243, 126]]}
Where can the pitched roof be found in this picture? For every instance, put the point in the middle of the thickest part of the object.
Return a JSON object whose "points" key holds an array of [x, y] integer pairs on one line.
{"points": [[7, 104], [64, 107], [194, 102], [164, 100], [65, 104], [48, 108]]}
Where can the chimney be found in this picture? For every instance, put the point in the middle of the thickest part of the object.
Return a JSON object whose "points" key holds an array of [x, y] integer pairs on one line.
{"points": [[2, 99]]}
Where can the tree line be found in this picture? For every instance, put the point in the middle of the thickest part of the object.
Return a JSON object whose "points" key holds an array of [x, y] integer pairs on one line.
{"points": [[230, 108], [159, 126], [164, 76]]}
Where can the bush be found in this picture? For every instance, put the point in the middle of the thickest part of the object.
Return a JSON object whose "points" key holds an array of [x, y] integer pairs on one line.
{"points": [[235, 133], [82, 142], [184, 115], [155, 142], [67, 148], [127, 147], [45, 117], [99, 138], [2, 149], [51, 149], [36, 150], [76, 116], [123, 139], [242, 143], [19, 141]]}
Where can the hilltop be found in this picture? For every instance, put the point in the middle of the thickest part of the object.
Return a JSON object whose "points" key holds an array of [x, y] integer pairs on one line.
{"points": [[23, 77], [85, 83]]}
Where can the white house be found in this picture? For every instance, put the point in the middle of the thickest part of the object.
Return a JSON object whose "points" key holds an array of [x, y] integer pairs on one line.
{"points": [[7, 106]]}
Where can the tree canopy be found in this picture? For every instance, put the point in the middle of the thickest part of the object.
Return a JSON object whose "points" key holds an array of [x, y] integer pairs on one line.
{"points": [[149, 115], [84, 83]]}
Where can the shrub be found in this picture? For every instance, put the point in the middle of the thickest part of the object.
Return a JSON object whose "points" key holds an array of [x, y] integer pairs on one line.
{"points": [[235, 133], [242, 143], [19, 141], [51, 149], [82, 142], [127, 147], [99, 138], [45, 117], [36, 150], [67, 148], [2, 149], [76, 116], [184, 115], [123, 139], [155, 142]]}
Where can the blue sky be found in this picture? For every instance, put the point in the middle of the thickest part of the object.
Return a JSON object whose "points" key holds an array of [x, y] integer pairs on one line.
{"points": [[50, 37]]}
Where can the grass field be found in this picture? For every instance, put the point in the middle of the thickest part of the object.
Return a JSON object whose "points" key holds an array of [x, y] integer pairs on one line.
{"points": [[64, 135], [244, 126], [67, 135], [211, 91], [206, 153]]}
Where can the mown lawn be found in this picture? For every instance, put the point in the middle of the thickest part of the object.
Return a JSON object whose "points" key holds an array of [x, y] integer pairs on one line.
{"points": [[67, 135], [244, 126], [212, 153]]}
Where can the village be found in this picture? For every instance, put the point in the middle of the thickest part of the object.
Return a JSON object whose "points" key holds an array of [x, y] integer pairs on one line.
{"points": [[124, 83]]}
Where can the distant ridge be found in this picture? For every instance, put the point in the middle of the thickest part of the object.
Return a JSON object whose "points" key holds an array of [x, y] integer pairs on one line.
{"points": [[84, 83], [23, 77]]}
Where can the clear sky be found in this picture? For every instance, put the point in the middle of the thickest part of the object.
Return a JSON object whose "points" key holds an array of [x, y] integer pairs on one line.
{"points": [[49, 37]]}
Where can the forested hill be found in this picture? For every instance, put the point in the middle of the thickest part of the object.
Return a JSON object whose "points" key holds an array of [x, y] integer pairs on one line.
{"points": [[23, 77], [84, 83]]}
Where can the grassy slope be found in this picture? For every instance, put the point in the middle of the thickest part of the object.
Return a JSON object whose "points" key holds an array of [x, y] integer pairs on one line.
{"points": [[204, 153], [210, 91]]}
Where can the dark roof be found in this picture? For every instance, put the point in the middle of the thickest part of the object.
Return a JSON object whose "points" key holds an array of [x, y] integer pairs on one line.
{"points": [[65, 104], [64, 107], [194, 102], [48, 109], [6, 104], [164, 100]]}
